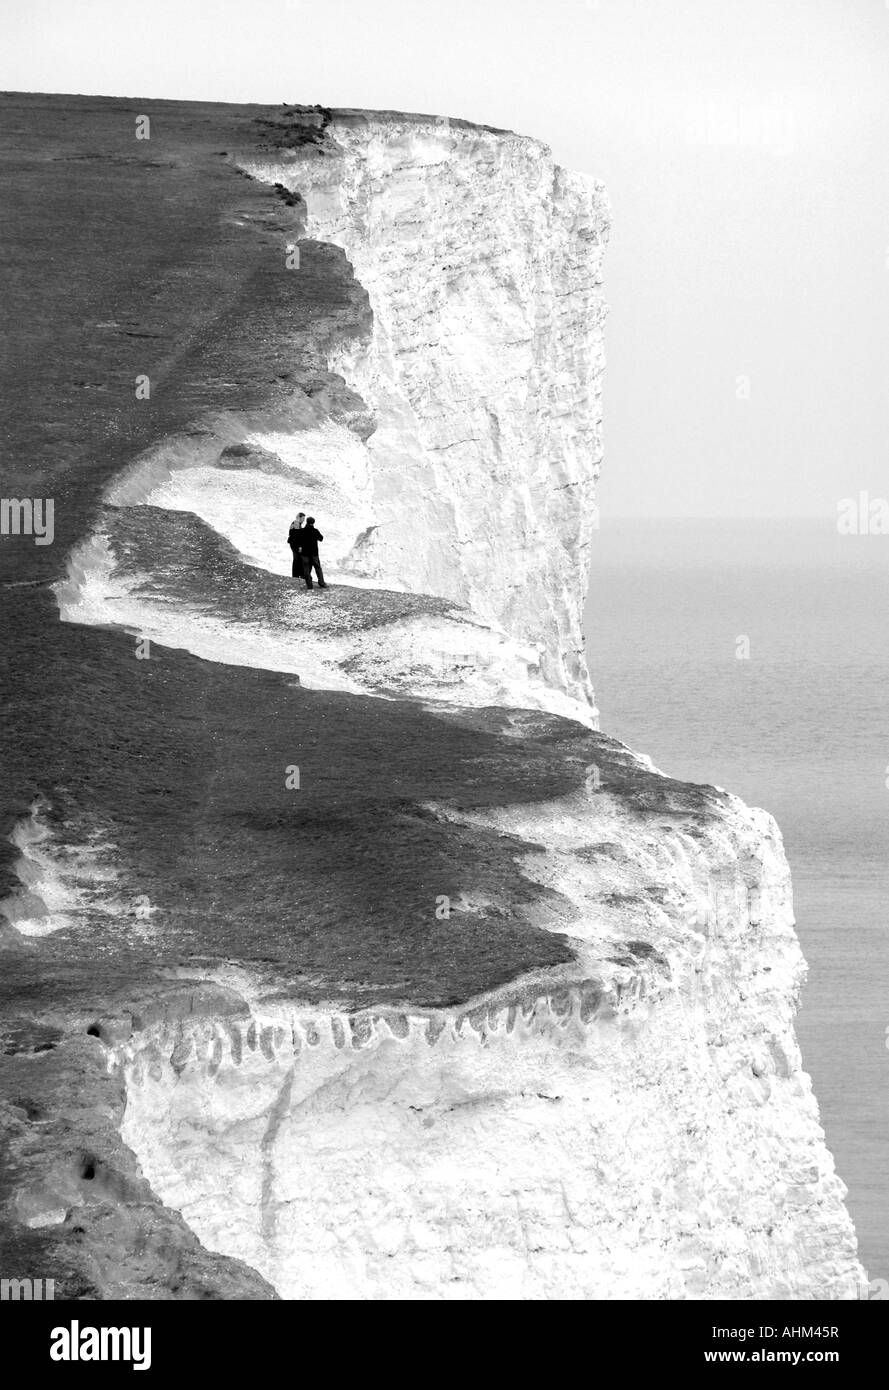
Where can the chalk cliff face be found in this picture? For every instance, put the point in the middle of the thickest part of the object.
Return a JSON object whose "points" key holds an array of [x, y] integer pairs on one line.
{"points": [[482, 261], [541, 1044], [454, 445], [635, 1126]]}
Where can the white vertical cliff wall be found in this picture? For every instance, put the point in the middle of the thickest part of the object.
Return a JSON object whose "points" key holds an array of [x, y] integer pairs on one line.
{"points": [[637, 1125], [482, 259]]}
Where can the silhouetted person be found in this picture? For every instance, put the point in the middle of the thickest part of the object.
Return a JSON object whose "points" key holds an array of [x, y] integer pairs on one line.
{"points": [[309, 537], [294, 540]]}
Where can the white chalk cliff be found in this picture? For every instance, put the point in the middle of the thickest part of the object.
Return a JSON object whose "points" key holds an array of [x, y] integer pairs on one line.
{"points": [[635, 1127], [482, 259], [637, 1124], [482, 377]]}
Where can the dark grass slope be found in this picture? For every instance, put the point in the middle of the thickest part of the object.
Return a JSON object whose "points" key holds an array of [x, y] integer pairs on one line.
{"points": [[183, 763], [120, 257]]}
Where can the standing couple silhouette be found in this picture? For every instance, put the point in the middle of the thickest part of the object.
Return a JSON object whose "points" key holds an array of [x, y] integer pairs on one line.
{"points": [[303, 538]]}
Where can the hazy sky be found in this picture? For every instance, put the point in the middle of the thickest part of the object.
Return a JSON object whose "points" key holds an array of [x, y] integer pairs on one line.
{"points": [[745, 144]]}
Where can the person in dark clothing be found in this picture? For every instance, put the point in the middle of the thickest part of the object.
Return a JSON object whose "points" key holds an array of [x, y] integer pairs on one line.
{"points": [[294, 540], [309, 537]]}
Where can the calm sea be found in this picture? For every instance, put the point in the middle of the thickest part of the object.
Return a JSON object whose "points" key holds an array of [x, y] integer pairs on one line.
{"points": [[801, 727]]}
